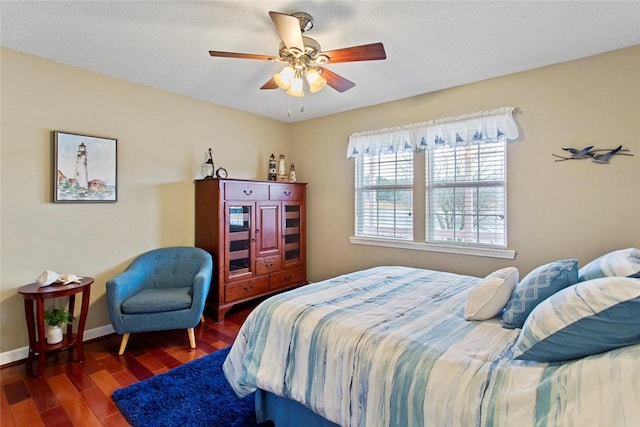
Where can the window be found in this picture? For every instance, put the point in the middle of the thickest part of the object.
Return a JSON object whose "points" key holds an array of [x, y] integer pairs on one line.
{"points": [[384, 195], [465, 194], [462, 206]]}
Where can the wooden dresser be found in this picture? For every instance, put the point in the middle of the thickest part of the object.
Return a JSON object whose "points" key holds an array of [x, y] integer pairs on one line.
{"points": [[255, 231]]}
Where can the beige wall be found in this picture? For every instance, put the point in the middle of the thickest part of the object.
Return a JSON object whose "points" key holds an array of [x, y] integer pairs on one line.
{"points": [[162, 140], [556, 210]]}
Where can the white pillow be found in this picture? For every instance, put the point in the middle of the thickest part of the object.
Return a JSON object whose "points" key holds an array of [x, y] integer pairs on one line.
{"points": [[490, 296]]}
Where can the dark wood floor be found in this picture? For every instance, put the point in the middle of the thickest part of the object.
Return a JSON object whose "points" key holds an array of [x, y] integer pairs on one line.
{"points": [[75, 394]]}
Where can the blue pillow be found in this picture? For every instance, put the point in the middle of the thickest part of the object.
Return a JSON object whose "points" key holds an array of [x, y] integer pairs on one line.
{"points": [[588, 318], [537, 286], [617, 263]]}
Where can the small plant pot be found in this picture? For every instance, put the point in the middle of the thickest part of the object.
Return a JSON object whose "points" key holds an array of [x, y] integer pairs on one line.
{"points": [[54, 334]]}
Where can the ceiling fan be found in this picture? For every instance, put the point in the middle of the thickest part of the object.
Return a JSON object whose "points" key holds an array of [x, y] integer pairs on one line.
{"points": [[305, 59]]}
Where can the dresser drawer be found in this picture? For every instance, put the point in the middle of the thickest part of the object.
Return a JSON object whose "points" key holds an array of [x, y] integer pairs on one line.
{"points": [[246, 191], [287, 278], [246, 289], [285, 192], [267, 265]]}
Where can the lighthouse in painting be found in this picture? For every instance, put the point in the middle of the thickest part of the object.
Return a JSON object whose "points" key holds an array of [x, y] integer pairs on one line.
{"points": [[82, 174]]}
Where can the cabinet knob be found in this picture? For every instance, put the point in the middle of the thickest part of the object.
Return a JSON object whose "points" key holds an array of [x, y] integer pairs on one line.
{"points": [[248, 288], [248, 192], [287, 193]]}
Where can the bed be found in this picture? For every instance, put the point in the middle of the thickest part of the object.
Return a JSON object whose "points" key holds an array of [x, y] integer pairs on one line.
{"points": [[390, 346]]}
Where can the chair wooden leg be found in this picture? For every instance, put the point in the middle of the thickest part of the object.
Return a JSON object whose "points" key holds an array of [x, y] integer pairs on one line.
{"points": [[123, 344], [192, 338], [202, 318]]}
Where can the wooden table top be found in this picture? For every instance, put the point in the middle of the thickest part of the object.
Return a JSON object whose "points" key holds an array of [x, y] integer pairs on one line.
{"points": [[59, 289]]}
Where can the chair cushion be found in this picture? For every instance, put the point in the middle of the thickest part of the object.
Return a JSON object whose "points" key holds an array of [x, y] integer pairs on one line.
{"points": [[170, 267], [158, 300]]}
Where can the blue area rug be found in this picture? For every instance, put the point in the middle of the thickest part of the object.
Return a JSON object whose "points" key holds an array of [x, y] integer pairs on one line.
{"points": [[193, 394]]}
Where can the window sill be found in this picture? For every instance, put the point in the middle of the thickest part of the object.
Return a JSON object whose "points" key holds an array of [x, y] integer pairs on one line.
{"points": [[451, 249]]}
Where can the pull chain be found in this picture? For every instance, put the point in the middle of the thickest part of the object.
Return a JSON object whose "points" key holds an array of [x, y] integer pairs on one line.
{"points": [[289, 110]]}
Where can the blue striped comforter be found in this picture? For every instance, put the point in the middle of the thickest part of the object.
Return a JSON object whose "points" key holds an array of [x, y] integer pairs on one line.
{"points": [[389, 346]]}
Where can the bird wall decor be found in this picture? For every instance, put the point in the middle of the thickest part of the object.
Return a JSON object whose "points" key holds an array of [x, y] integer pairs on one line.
{"points": [[598, 155]]}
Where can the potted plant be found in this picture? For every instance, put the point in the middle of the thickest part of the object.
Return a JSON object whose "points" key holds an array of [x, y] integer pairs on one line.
{"points": [[53, 318]]}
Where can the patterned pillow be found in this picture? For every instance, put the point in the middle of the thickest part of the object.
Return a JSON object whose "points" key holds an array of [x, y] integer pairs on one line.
{"points": [[617, 263], [491, 295], [537, 286], [588, 318]]}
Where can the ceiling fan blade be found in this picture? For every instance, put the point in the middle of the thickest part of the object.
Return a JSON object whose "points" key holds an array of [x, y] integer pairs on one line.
{"points": [[220, 54], [271, 84], [336, 81], [366, 52], [289, 29]]}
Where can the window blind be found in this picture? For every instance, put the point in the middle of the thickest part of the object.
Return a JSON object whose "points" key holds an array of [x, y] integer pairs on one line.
{"points": [[466, 194], [384, 196]]}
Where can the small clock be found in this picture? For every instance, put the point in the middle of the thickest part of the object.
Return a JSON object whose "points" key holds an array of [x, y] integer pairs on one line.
{"points": [[221, 173]]}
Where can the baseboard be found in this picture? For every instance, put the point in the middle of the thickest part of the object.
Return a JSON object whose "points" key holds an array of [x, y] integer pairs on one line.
{"points": [[23, 352]]}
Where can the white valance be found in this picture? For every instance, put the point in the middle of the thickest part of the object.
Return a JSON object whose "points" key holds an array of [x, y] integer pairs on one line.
{"points": [[485, 126]]}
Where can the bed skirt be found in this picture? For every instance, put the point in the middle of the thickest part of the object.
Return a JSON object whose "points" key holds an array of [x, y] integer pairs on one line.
{"points": [[286, 413]]}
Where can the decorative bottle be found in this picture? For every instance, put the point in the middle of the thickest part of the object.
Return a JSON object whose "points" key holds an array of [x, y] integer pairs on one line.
{"points": [[207, 169]]}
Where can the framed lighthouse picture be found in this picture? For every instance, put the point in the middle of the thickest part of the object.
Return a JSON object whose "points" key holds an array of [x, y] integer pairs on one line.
{"points": [[85, 169]]}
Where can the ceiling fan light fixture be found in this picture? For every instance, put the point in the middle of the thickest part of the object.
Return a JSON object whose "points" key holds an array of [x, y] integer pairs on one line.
{"points": [[296, 88], [284, 78], [315, 80], [304, 58]]}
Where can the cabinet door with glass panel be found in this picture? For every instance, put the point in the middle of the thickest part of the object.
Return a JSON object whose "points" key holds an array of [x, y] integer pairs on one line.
{"points": [[239, 254], [293, 225]]}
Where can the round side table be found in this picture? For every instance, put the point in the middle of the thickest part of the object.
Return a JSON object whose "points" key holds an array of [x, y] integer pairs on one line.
{"points": [[35, 325]]}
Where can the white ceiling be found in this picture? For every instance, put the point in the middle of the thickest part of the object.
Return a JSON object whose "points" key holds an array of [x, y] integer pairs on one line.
{"points": [[430, 45]]}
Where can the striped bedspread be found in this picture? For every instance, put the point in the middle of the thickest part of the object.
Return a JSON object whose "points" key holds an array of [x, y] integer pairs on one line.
{"points": [[389, 346]]}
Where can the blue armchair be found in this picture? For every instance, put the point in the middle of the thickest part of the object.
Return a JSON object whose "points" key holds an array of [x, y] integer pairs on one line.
{"points": [[160, 290]]}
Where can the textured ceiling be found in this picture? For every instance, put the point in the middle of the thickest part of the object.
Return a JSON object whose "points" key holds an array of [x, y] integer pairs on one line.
{"points": [[430, 45]]}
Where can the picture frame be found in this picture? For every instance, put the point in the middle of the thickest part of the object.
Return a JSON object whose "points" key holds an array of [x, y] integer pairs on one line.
{"points": [[85, 168]]}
